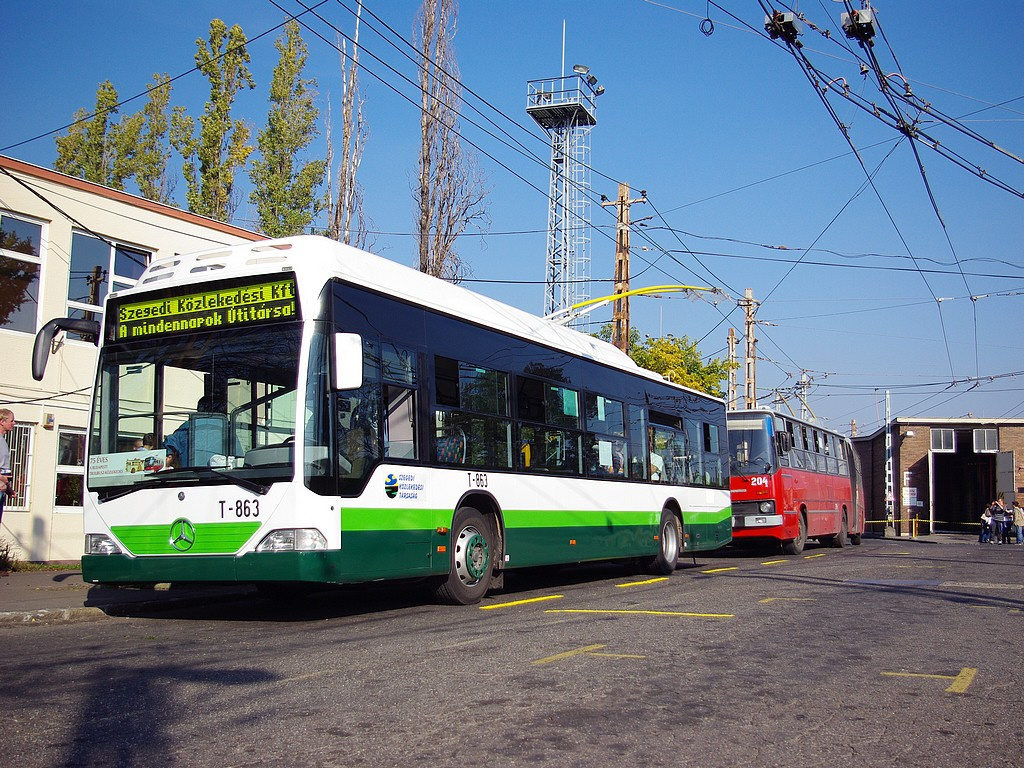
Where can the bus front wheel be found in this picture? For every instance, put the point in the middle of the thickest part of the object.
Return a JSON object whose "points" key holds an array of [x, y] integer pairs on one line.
{"points": [[670, 536], [796, 546], [471, 554]]}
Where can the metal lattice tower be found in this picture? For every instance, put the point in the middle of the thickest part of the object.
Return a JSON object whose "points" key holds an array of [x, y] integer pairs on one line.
{"points": [[566, 108]]}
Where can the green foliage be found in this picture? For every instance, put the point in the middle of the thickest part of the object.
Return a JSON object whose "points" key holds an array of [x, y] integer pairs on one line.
{"points": [[677, 359], [221, 147], [153, 152], [8, 559], [87, 151], [284, 192], [106, 152]]}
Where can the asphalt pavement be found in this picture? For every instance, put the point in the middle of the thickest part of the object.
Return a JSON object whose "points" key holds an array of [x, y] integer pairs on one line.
{"points": [[34, 597]]}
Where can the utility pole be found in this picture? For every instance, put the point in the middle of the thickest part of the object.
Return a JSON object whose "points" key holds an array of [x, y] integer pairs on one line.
{"points": [[803, 387], [620, 309], [730, 392], [749, 371], [95, 282]]}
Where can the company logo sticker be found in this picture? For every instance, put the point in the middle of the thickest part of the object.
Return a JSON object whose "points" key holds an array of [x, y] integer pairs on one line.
{"points": [[391, 486]]}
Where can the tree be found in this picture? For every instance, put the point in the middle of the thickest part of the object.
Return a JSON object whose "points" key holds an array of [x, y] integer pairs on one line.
{"points": [[97, 148], [284, 194], [221, 147], [87, 151], [153, 150], [677, 359], [346, 222], [451, 190]]}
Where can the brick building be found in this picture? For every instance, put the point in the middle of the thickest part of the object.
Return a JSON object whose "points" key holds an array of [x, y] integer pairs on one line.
{"points": [[944, 472]]}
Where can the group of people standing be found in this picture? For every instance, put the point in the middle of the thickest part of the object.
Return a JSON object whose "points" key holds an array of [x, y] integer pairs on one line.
{"points": [[1000, 522]]}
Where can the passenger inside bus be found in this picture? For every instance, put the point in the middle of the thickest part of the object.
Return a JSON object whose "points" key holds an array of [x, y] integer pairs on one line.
{"points": [[177, 443]]}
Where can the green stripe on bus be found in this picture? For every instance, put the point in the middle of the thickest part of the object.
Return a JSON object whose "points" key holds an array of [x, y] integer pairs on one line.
{"points": [[208, 538], [405, 519], [392, 518]]}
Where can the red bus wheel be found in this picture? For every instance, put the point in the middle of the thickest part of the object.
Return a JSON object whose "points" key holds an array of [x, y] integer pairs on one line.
{"points": [[796, 546]]}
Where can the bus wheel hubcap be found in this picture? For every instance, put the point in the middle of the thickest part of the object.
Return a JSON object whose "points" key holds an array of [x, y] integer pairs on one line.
{"points": [[471, 555]]}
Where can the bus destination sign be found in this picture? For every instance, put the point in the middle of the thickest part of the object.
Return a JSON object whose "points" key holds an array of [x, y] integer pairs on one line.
{"points": [[273, 300]]}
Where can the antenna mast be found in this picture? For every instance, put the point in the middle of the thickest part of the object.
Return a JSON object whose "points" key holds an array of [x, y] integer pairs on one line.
{"points": [[566, 108]]}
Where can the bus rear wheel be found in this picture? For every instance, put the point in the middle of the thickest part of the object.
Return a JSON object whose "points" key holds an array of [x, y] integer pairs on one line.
{"points": [[796, 546], [471, 553], [670, 536]]}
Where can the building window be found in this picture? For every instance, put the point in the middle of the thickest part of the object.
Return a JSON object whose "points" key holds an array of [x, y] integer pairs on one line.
{"points": [[70, 470], [986, 441], [98, 267], [20, 244], [20, 442], [943, 441]]}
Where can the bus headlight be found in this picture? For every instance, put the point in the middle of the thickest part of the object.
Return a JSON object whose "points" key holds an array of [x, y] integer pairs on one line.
{"points": [[293, 540], [100, 544], [766, 507]]}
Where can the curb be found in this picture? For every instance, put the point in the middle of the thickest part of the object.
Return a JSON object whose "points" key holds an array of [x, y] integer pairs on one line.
{"points": [[114, 610], [47, 616]]}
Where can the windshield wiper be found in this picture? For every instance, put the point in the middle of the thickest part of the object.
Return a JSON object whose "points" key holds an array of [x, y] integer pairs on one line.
{"points": [[241, 482]]}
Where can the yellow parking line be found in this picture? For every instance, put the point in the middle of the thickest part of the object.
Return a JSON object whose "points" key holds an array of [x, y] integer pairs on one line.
{"points": [[811, 557], [960, 681], [492, 606], [641, 583], [568, 654], [774, 562], [720, 570], [643, 613]]}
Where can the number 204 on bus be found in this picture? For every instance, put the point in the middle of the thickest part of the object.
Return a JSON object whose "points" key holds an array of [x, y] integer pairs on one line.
{"points": [[792, 481], [297, 412]]}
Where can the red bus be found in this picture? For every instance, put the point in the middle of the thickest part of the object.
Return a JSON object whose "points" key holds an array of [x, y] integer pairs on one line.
{"points": [[792, 481]]}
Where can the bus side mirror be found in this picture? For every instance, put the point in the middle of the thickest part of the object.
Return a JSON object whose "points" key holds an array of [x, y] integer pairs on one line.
{"points": [[348, 361], [783, 442], [41, 348]]}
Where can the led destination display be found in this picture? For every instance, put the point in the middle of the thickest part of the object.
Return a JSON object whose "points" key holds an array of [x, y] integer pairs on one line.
{"points": [[271, 300]]}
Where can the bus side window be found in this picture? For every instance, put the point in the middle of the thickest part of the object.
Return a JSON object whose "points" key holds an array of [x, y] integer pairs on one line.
{"points": [[471, 416], [556, 443], [784, 426], [398, 369], [400, 427]]}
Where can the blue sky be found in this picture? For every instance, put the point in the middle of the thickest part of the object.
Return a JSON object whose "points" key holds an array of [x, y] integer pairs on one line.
{"points": [[750, 181]]}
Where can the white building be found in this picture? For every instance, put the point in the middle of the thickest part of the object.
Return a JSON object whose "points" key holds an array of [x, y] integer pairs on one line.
{"points": [[64, 243]]}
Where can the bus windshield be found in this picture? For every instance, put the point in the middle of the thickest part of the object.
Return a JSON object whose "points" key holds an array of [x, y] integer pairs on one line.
{"points": [[750, 446], [195, 408]]}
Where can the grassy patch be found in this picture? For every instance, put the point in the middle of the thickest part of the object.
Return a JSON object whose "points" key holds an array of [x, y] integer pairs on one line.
{"points": [[63, 565], [7, 556]]}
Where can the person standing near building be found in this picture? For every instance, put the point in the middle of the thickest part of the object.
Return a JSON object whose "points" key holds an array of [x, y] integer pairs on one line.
{"points": [[6, 476], [998, 521], [1018, 522], [986, 526]]}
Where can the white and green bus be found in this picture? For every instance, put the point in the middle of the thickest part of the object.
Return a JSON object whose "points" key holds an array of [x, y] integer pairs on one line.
{"points": [[298, 412]]}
